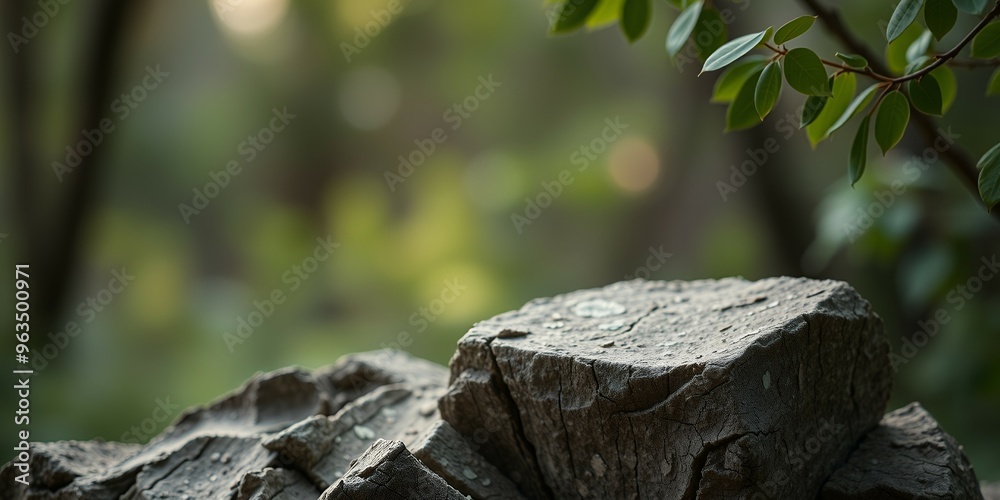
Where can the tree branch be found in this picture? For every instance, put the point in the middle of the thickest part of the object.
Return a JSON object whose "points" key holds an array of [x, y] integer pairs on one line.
{"points": [[962, 164], [58, 243]]}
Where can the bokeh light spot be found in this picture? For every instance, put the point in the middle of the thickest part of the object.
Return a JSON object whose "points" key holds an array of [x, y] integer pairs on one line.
{"points": [[634, 164], [249, 17], [369, 98]]}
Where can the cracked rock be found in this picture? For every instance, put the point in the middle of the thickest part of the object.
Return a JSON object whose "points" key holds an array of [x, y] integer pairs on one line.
{"points": [[712, 389], [387, 471], [908, 456]]}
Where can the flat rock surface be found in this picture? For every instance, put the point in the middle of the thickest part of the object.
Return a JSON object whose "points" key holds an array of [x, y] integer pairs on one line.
{"points": [[673, 390], [907, 456]]}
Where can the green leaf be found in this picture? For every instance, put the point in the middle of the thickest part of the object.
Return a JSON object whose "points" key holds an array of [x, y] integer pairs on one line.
{"points": [[902, 18], [793, 29], [994, 86], [710, 33], [853, 60], [812, 108], [572, 15], [731, 80], [681, 30], [859, 103], [768, 89], [940, 17], [986, 45], [635, 18], [859, 152], [606, 13], [843, 93], [989, 177], [971, 6], [742, 113], [919, 47], [917, 65], [949, 86], [896, 51], [925, 94], [805, 72], [733, 50], [891, 120]]}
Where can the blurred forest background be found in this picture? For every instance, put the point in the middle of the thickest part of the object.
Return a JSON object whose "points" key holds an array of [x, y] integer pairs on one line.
{"points": [[648, 205]]}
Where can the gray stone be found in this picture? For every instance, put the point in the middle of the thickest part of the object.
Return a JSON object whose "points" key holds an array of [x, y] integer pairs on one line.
{"points": [[673, 390], [908, 456]]}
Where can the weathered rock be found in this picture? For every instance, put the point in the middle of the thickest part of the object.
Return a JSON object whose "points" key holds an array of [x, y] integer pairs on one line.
{"points": [[210, 450], [55, 465], [908, 456], [710, 389], [444, 451], [673, 390], [276, 484], [323, 447], [388, 471]]}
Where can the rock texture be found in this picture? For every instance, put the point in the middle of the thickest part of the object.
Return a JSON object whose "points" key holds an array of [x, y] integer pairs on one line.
{"points": [[387, 471], [883, 465], [705, 389], [672, 390]]}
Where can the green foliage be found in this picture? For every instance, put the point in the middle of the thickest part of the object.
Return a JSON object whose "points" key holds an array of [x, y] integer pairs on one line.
{"points": [[742, 113], [940, 17], [904, 15], [708, 29], [731, 80], [733, 50], [768, 89], [989, 177], [793, 29], [843, 94], [859, 152], [925, 93], [986, 45], [682, 28], [949, 86], [993, 88], [805, 72], [859, 103], [635, 18], [812, 108], [891, 120], [751, 83], [853, 60], [572, 15]]}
